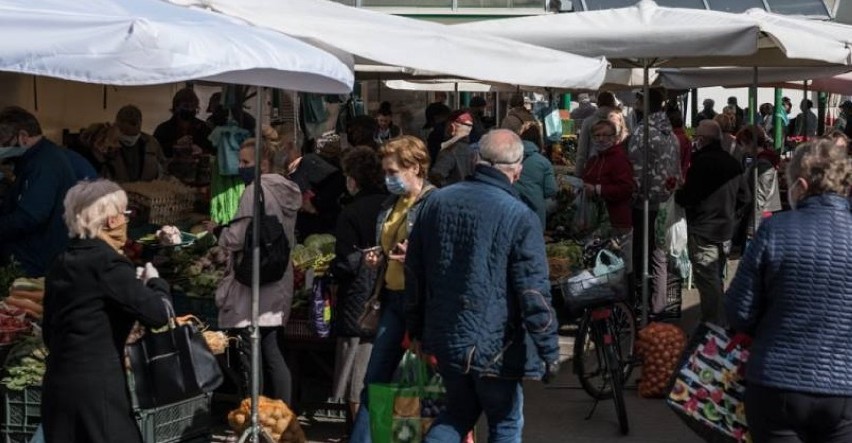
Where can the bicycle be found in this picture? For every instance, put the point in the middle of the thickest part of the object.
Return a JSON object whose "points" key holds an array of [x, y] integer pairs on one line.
{"points": [[603, 345]]}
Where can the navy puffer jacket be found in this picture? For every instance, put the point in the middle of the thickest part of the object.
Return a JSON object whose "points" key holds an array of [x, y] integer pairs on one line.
{"points": [[793, 293], [478, 295]]}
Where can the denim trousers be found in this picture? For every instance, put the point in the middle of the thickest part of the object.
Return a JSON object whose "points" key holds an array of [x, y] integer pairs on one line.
{"points": [[387, 353], [468, 397]]}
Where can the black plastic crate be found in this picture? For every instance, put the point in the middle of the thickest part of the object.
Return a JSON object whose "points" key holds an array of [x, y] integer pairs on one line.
{"points": [[21, 414], [188, 420]]}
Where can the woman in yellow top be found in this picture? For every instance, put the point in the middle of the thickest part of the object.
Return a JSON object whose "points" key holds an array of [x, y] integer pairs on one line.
{"points": [[405, 161]]}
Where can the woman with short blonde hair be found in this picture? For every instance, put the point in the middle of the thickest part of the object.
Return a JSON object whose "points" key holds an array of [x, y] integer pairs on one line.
{"points": [[92, 299], [405, 162], [409, 152], [793, 293]]}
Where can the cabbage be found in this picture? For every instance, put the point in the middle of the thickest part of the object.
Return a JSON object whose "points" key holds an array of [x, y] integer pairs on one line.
{"points": [[324, 243], [303, 256]]}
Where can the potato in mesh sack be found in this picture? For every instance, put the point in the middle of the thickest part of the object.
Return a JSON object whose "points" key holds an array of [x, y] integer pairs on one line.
{"points": [[275, 418], [660, 346]]}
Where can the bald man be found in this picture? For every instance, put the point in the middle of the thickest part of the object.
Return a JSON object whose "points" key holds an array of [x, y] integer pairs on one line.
{"points": [[478, 294], [715, 196]]}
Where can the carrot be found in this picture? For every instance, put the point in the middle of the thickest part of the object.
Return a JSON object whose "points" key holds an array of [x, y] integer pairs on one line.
{"points": [[36, 296], [27, 305]]}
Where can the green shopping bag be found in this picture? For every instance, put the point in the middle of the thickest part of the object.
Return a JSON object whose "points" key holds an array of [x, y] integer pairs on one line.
{"points": [[395, 412]]}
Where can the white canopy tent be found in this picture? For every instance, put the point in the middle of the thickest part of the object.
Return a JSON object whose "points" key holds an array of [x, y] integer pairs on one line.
{"points": [[376, 38], [687, 78], [145, 42], [648, 36], [678, 37]]}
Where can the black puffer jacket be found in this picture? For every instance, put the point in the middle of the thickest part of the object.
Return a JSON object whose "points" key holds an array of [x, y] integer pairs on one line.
{"points": [[356, 230]]}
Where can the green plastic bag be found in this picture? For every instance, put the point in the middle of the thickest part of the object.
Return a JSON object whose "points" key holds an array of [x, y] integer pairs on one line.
{"points": [[395, 407]]}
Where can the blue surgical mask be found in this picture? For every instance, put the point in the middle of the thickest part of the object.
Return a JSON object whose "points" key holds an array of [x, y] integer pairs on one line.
{"points": [[395, 184], [247, 174]]}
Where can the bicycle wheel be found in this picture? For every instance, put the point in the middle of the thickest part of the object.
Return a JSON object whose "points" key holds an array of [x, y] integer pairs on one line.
{"points": [[615, 370], [589, 359], [589, 364], [624, 332]]}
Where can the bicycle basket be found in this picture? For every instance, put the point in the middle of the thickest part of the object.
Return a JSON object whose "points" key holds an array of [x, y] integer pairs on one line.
{"points": [[605, 284]]}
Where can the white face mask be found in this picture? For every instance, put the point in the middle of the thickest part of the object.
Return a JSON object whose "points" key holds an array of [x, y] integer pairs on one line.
{"points": [[790, 199], [128, 140]]}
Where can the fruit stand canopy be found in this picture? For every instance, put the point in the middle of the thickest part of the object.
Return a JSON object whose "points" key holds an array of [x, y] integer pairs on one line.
{"points": [[810, 8], [144, 42], [375, 38]]}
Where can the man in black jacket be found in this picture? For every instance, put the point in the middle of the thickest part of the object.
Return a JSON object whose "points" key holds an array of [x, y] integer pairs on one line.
{"points": [[715, 195]]}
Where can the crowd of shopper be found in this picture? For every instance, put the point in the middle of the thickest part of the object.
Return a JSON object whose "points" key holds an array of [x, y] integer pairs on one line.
{"points": [[448, 234]]}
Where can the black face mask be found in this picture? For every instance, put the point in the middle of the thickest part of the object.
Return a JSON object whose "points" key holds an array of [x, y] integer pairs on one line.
{"points": [[186, 114]]}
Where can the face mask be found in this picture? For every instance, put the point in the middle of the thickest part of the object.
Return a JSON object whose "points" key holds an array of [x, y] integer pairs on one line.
{"points": [[128, 140], [790, 198], [395, 184], [116, 237], [601, 146], [12, 152], [186, 114], [351, 186], [247, 174]]}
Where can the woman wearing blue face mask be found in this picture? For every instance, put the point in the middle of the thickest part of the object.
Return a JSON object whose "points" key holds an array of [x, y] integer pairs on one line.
{"points": [[405, 161], [281, 199], [793, 294]]}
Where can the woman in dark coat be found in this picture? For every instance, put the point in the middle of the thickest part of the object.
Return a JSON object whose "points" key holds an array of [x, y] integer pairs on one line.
{"points": [[93, 296], [356, 231]]}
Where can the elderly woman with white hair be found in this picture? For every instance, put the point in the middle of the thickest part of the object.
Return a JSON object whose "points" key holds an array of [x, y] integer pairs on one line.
{"points": [[93, 297]]}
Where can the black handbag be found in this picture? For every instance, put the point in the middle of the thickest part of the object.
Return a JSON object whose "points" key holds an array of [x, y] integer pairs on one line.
{"points": [[172, 365]]}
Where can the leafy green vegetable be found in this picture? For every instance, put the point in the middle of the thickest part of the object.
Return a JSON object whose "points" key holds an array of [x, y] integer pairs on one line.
{"points": [[25, 364], [321, 242]]}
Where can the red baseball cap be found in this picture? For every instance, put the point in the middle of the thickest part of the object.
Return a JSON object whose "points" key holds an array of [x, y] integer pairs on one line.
{"points": [[462, 117]]}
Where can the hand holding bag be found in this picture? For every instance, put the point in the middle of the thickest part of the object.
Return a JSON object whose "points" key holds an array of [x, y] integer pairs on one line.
{"points": [[172, 365]]}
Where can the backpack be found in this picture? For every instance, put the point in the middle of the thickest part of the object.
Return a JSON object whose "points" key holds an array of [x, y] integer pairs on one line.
{"points": [[274, 249]]}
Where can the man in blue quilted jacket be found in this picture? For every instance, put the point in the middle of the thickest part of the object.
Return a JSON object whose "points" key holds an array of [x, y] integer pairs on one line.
{"points": [[478, 295]]}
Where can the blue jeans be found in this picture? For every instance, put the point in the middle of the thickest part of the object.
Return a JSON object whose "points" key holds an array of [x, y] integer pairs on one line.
{"points": [[468, 396], [387, 353]]}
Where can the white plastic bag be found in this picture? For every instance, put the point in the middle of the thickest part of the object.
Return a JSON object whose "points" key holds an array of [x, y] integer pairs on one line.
{"points": [[671, 228]]}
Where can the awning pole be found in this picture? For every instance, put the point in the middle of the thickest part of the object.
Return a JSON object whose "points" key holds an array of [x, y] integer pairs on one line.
{"points": [[253, 432], [646, 208]]}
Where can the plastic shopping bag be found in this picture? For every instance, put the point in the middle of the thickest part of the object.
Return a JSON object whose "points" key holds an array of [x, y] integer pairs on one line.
{"points": [[670, 228], [395, 409]]}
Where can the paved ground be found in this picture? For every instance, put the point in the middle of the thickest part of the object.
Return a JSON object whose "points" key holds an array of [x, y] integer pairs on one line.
{"points": [[558, 412]]}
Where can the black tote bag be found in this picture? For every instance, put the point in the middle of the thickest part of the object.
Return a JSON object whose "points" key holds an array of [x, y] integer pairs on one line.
{"points": [[172, 365]]}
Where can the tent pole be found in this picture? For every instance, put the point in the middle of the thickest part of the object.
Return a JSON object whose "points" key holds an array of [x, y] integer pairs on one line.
{"points": [[694, 107], [778, 124], [497, 117], [805, 125], [456, 97], [646, 161], [253, 432], [752, 99]]}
